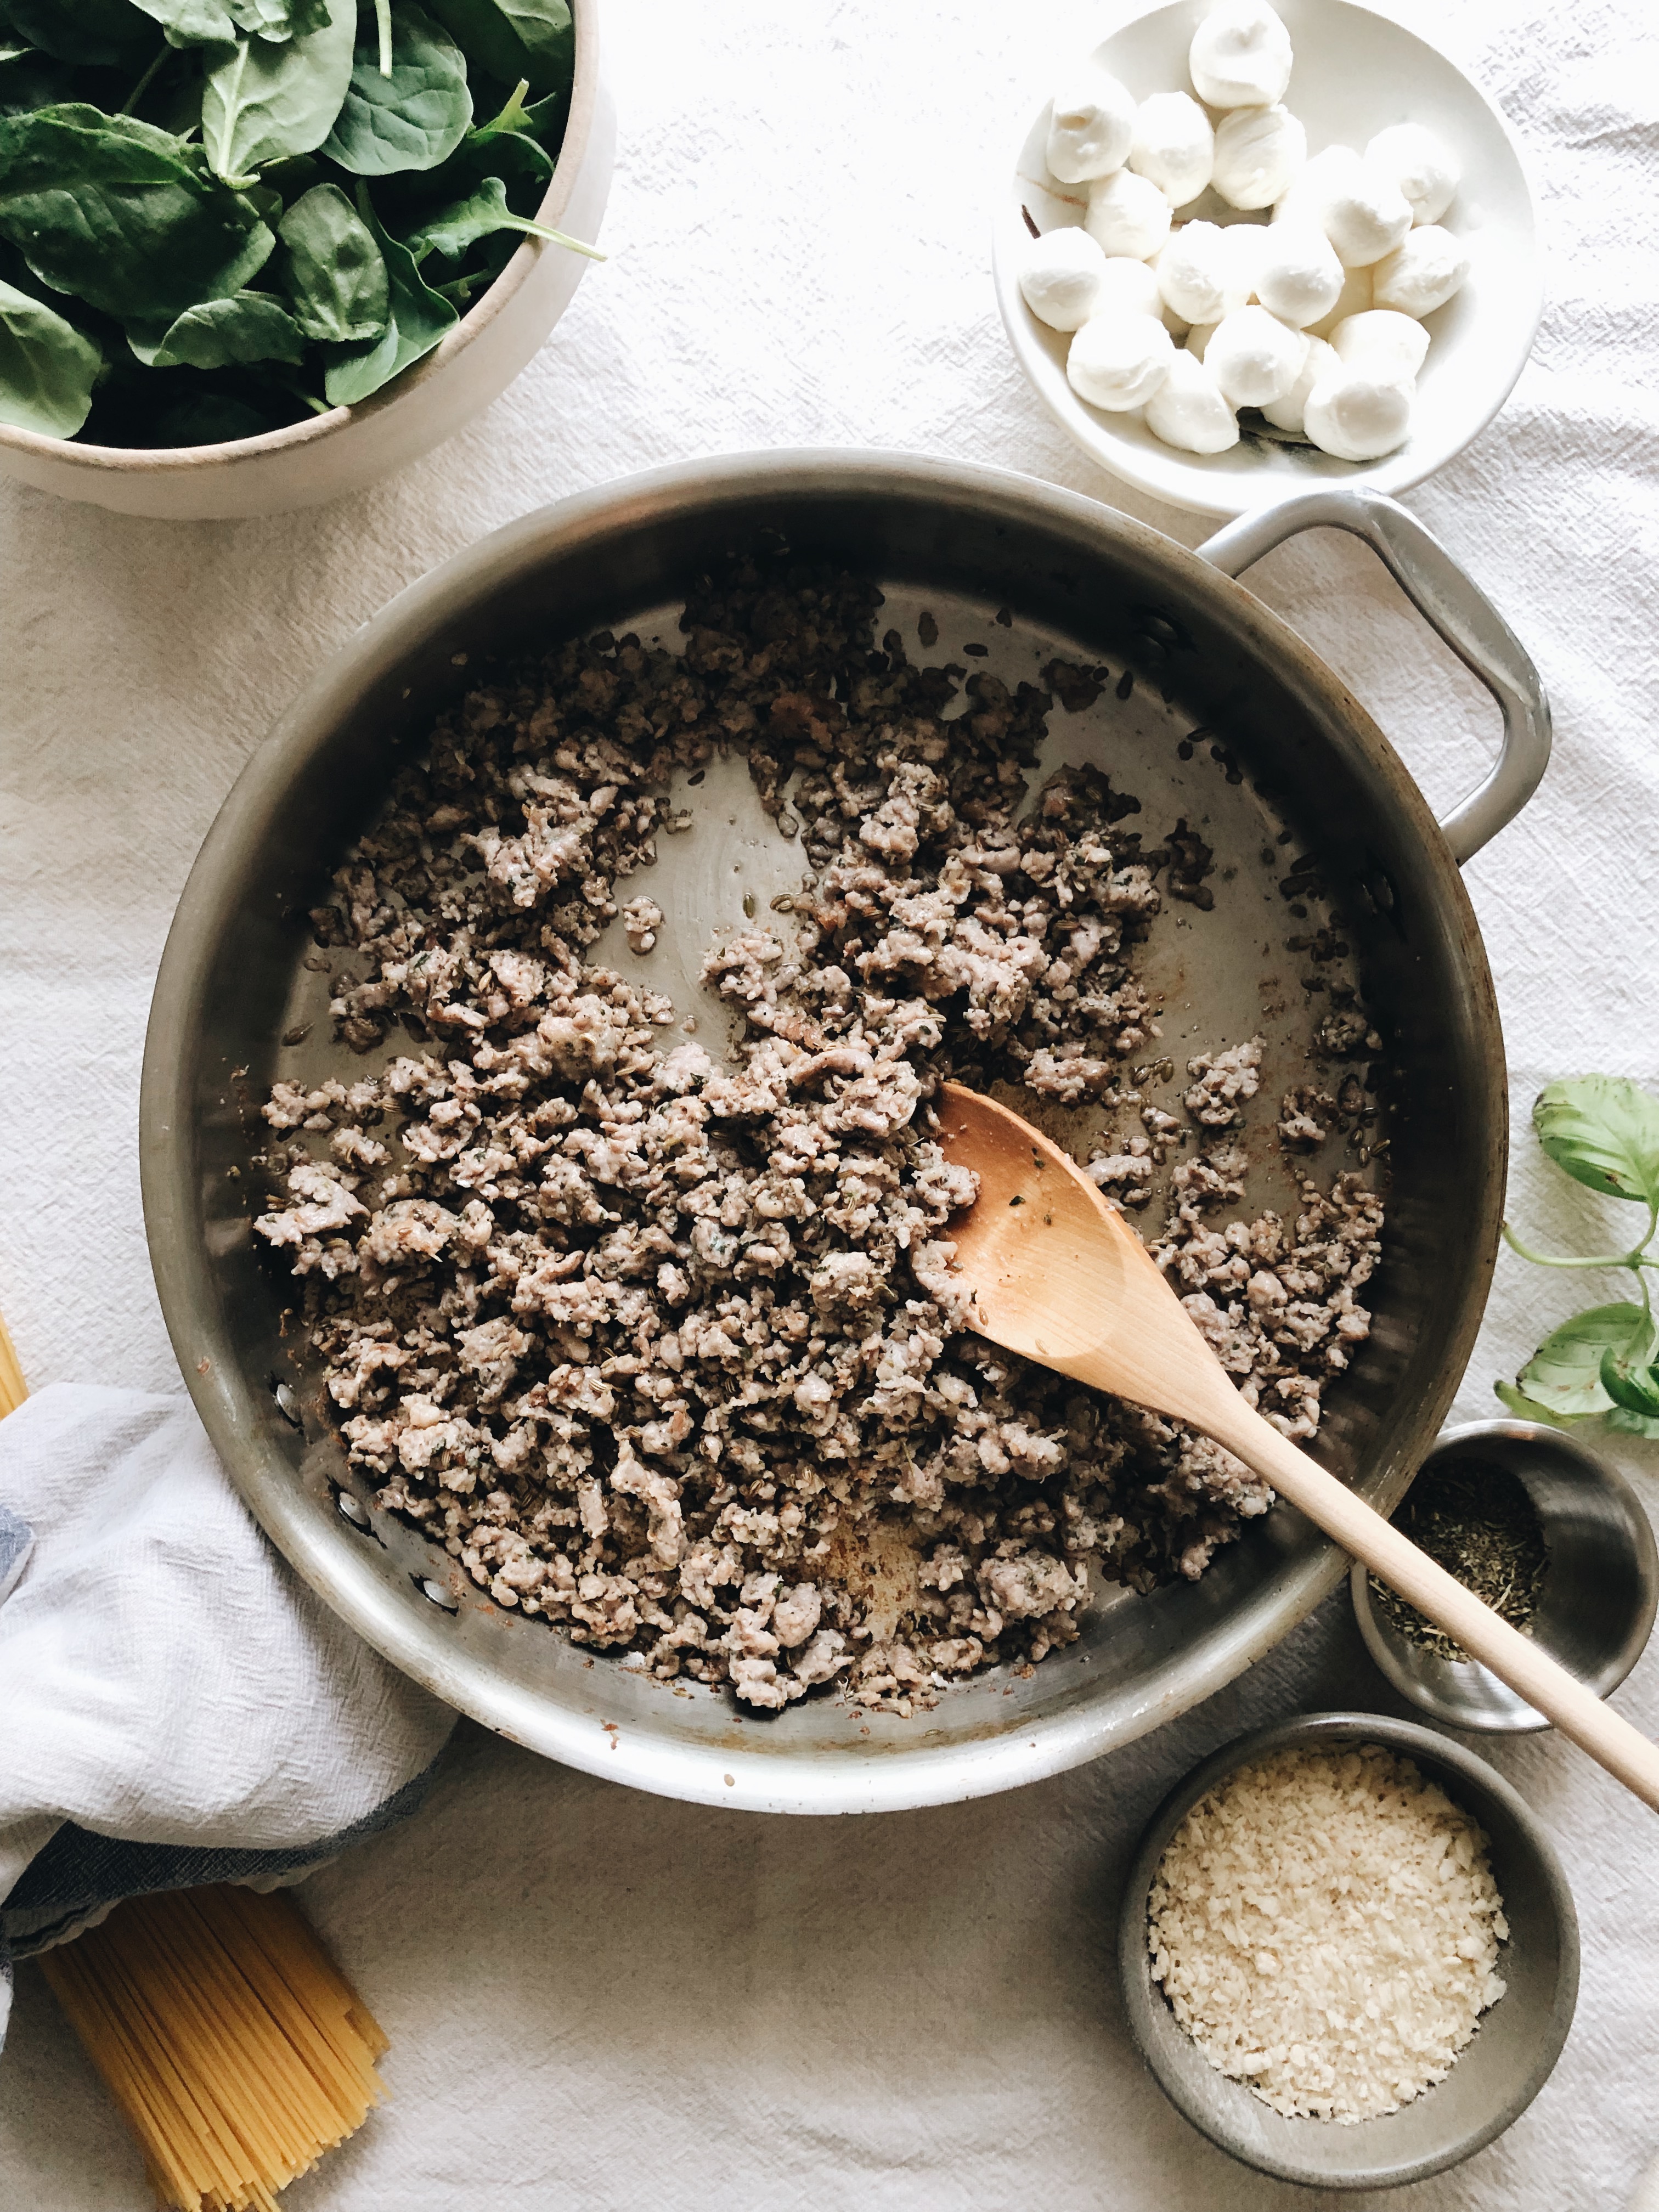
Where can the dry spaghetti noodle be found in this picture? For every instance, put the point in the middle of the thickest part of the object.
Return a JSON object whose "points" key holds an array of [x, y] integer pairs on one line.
{"points": [[236, 2049]]}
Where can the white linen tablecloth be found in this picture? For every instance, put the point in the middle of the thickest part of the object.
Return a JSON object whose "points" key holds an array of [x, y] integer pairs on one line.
{"points": [[598, 1999]]}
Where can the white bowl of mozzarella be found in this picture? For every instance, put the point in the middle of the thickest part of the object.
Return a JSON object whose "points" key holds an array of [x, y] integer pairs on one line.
{"points": [[1357, 147]]}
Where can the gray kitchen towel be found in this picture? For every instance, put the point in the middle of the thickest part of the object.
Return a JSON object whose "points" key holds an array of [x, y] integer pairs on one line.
{"points": [[176, 1707]]}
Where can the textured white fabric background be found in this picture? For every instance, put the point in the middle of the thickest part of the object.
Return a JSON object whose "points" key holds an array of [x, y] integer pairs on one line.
{"points": [[598, 1999]]}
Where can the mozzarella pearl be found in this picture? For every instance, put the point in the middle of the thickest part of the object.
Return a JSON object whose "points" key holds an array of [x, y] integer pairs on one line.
{"points": [[1062, 277], [1286, 414], [1259, 152], [1353, 300], [1246, 244], [1200, 276], [1117, 362], [1357, 417], [1254, 357], [1090, 127], [1198, 338], [1129, 287], [1364, 215], [1422, 273], [1240, 56], [1299, 277], [1173, 146], [1321, 175], [1424, 167], [1187, 410], [1128, 215], [1382, 344]]}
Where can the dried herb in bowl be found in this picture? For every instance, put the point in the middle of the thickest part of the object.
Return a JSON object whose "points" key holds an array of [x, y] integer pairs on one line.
{"points": [[218, 217], [1475, 1519]]}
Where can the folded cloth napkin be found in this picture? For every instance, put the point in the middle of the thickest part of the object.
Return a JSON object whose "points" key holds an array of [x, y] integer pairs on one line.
{"points": [[176, 1707]]}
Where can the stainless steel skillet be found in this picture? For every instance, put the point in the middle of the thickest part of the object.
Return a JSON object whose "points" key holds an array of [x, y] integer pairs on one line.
{"points": [[1316, 825]]}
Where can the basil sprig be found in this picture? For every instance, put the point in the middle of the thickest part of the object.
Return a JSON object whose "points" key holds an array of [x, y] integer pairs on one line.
{"points": [[1603, 1131], [218, 215]]}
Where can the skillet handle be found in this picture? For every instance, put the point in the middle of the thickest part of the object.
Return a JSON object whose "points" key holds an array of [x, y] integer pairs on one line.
{"points": [[1453, 604]]}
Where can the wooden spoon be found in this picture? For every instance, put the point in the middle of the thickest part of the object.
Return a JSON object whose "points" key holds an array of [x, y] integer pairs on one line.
{"points": [[1057, 1273]]}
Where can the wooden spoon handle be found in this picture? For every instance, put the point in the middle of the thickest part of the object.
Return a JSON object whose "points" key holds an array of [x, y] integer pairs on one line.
{"points": [[1394, 1558]]}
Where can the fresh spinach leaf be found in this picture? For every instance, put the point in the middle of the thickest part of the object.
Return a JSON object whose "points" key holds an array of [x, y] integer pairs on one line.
{"points": [[1564, 1373], [264, 101], [268, 202], [181, 110], [513, 38], [33, 80], [337, 276], [13, 50], [417, 320], [217, 22], [1603, 1131], [48, 369], [192, 22], [225, 333], [271, 18], [455, 228], [415, 118], [122, 216], [207, 418], [291, 178], [524, 165], [97, 34]]}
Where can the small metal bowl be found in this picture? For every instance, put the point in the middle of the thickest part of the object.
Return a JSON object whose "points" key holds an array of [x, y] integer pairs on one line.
{"points": [[1497, 2074], [1600, 1588]]}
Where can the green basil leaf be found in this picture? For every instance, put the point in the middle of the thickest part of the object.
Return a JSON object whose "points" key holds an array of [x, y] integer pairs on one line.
{"points": [[264, 101], [224, 334], [97, 34], [515, 38], [336, 277], [1603, 1131], [415, 118], [1526, 1409], [418, 319], [122, 215], [1564, 1373], [1634, 1388], [1633, 1425], [47, 367]]}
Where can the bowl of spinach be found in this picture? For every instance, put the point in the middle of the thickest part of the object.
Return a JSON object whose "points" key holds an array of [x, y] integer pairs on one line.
{"points": [[255, 253]]}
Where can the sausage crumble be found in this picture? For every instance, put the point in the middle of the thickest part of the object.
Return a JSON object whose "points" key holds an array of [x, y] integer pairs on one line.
{"points": [[663, 1345]]}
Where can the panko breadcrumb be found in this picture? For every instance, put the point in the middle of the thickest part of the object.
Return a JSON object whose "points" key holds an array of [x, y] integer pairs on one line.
{"points": [[665, 1348], [1326, 1926]]}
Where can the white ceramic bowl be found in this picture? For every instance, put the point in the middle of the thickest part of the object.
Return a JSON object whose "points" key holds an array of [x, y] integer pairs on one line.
{"points": [[309, 462], [1356, 72]]}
